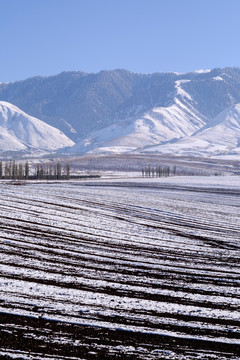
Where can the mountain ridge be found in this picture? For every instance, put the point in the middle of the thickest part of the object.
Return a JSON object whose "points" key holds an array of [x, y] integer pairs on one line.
{"points": [[119, 110], [95, 100]]}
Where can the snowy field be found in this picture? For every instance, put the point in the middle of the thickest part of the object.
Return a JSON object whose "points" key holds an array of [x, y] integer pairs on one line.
{"points": [[121, 269]]}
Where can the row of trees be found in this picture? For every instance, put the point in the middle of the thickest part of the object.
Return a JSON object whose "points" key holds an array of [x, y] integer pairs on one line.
{"points": [[12, 170], [52, 171], [158, 171], [15, 171]]}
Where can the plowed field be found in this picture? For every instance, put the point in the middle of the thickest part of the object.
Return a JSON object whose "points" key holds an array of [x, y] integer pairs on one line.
{"points": [[119, 270]]}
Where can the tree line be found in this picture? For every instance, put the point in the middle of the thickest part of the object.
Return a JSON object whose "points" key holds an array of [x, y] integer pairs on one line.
{"points": [[52, 171], [14, 171], [158, 171]]}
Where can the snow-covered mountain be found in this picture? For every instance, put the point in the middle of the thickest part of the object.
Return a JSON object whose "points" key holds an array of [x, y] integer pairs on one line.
{"points": [[19, 131], [219, 137], [158, 125], [119, 111]]}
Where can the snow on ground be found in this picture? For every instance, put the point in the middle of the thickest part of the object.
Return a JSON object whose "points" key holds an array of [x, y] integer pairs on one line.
{"points": [[108, 265], [228, 181]]}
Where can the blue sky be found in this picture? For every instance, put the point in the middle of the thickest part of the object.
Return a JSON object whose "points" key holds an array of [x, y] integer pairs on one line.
{"points": [[45, 37]]}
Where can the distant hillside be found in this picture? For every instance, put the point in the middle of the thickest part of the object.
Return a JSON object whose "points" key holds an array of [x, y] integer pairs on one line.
{"points": [[118, 111], [219, 137], [19, 131]]}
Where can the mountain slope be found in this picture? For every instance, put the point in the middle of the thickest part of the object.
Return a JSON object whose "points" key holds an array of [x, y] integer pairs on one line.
{"points": [[78, 103], [158, 125], [219, 137], [19, 131], [122, 111]]}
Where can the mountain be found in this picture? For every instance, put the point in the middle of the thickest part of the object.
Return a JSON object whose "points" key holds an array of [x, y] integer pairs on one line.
{"points": [[19, 131], [119, 111], [158, 125], [74, 102], [219, 137]]}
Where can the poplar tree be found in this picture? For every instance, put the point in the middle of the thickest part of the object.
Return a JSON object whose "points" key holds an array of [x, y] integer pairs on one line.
{"points": [[26, 170], [10, 170], [67, 171], [50, 171], [55, 172], [38, 171], [14, 173], [6, 170], [20, 171], [59, 171]]}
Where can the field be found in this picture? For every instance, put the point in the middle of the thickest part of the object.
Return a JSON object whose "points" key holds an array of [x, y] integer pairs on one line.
{"points": [[120, 269]]}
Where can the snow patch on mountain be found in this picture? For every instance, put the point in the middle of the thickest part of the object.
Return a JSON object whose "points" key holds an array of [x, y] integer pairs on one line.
{"points": [[218, 78], [219, 137], [20, 131], [202, 71], [180, 91]]}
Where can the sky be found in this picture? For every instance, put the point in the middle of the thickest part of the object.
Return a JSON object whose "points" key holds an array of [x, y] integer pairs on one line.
{"points": [[46, 37]]}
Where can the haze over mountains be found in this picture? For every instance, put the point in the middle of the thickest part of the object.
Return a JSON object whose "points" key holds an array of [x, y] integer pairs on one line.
{"points": [[118, 111]]}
